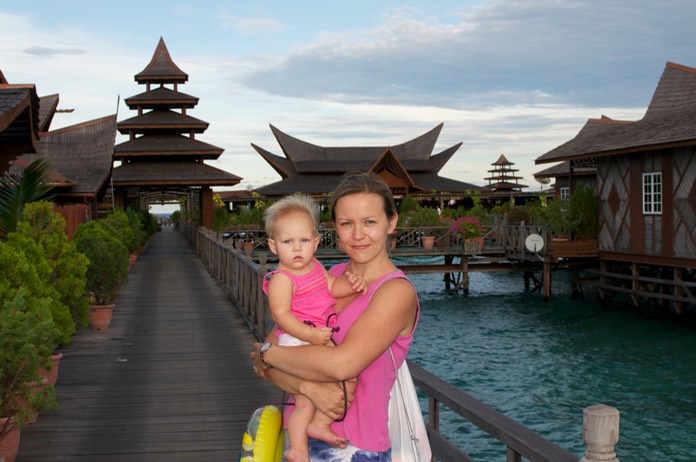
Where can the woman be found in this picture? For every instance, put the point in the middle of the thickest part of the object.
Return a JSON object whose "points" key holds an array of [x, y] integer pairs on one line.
{"points": [[364, 214]]}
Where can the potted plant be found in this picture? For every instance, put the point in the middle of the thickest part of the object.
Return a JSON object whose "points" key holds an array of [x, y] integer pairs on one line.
{"points": [[425, 218], [470, 232], [106, 272], [27, 333]]}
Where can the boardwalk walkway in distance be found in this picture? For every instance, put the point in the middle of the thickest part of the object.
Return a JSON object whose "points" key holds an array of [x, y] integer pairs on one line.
{"points": [[170, 380]]}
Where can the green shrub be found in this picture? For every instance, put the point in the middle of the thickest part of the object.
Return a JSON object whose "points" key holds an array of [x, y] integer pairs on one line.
{"points": [[68, 266], [27, 333], [36, 277], [108, 261]]}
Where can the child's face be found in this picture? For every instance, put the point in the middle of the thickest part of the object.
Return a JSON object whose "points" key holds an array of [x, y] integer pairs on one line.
{"points": [[295, 240]]}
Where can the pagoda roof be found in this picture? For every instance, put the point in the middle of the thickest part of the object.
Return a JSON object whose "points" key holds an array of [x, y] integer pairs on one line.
{"points": [[171, 174], [313, 169], [669, 121], [166, 145], [505, 185], [161, 97], [79, 155], [502, 160], [161, 68], [162, 120]]}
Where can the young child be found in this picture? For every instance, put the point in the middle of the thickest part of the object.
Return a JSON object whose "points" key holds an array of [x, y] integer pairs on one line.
{"points": [[301, 297]]}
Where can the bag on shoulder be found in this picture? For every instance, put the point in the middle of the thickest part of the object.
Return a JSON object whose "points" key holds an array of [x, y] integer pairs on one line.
{"points": [[409, 438]]}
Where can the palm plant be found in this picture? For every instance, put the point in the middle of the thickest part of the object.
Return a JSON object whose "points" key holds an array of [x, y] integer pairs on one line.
{"points": [[19, 189]]}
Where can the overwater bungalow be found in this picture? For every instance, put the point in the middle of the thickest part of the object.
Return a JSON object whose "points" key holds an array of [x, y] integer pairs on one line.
{"points": [[645, 172]]}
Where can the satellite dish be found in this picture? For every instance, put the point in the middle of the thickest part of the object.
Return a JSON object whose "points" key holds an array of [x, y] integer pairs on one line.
{"points": [[543, 179], [534, 243]]}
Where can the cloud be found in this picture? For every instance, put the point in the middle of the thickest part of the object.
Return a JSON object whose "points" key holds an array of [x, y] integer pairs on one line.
{"points": [[46, 51], [532, 52]]}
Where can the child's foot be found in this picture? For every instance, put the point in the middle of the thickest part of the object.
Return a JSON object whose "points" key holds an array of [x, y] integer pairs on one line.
{"points": [[326, 435], [293, 455]]}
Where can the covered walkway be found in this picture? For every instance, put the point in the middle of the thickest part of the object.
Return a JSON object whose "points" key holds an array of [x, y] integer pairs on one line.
{"points": [[170, 380]]}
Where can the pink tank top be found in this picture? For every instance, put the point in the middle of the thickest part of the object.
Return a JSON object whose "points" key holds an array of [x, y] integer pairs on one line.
{"points": [[311, 299], [366, 423]]}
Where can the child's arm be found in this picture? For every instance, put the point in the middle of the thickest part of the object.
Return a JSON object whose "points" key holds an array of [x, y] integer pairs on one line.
{"points": [[345, 285], [280, 290]]}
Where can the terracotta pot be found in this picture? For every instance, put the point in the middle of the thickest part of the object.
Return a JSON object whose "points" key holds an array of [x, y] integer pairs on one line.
{"points": [[52, 374], [36, 387], [9, 439], [428, 242], [100, 316]]}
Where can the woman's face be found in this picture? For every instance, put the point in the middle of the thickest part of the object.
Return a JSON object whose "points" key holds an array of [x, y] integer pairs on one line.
{"points": [[362, 225]]}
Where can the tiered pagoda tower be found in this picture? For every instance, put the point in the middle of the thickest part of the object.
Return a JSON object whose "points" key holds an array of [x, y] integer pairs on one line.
{"points": [[162, 161], [503, 177]]}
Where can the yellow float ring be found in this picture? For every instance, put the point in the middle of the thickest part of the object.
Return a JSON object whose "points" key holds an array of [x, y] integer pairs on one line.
{"points": [[263, 440]]}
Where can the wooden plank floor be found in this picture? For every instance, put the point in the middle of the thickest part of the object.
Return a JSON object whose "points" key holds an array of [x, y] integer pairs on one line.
{"points": [[169, 380]]}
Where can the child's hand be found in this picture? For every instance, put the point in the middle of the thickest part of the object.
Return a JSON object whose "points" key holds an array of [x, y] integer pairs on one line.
{"points": [[320, 335], [356, 282]]}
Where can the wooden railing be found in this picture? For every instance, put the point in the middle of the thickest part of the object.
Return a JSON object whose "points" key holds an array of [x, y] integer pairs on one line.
{"points": [[242, 278]]}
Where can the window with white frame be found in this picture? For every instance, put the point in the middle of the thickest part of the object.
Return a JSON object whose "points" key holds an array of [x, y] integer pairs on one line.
{"points": [[652, 193], [565, 192]]}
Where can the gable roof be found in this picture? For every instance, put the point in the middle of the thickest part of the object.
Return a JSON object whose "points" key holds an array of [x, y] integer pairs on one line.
{"points": [[79, 154], [670, 121], [19, 115]]}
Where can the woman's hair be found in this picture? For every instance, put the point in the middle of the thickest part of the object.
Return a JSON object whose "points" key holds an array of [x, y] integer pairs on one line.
{"points": [[359, 182], [288, 204]]}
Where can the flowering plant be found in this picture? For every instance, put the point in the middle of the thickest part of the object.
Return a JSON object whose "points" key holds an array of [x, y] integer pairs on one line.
{"points": [[467, 227]]}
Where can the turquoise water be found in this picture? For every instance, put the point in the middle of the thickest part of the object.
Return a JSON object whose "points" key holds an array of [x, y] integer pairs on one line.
{"points": [[542, 363]]}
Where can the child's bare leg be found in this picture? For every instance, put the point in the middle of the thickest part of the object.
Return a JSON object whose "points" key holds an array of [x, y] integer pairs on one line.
{"points": [[299, 419], [320, 428]]}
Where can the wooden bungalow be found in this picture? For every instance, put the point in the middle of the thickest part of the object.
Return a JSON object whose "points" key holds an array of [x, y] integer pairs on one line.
{"points": [[80, 160], [162, 161], [645, 183], [408, 168]]}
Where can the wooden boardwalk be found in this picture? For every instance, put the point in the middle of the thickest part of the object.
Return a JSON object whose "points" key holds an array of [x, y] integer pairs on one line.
{"points": [[169, 381]]}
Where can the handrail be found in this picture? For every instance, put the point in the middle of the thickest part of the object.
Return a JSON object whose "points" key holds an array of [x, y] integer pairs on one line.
{"points": [[242, 279], [520, 441]]}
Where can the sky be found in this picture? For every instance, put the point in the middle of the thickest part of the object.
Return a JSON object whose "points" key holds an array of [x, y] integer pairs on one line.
{"points": [[512, 77]]}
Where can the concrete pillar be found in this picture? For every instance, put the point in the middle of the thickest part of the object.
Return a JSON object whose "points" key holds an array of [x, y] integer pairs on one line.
{"points": [[600, 431]]}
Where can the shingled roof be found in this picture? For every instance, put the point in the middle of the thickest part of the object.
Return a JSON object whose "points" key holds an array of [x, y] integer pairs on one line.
{"points": [[168, 173], [161, 68], [316, 169], [669, 121], [166, 145], [80, 155]]}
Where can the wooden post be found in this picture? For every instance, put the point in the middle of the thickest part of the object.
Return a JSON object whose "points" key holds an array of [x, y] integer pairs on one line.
{"points": [[547, 280], [600, 431]]}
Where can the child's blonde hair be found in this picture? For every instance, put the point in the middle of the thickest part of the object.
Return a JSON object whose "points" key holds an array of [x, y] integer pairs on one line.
{"points": [[295, 203]]}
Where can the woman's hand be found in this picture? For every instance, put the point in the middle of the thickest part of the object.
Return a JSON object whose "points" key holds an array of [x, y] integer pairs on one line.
{"points": [[259, 367], [328, 397]]}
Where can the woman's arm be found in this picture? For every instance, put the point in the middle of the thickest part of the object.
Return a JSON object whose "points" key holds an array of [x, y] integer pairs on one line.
{"points": [[391, 312], [328, 397]]}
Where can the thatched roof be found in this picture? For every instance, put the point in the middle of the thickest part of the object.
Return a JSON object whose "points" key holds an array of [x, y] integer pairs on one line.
{"points": [[669, 121]]}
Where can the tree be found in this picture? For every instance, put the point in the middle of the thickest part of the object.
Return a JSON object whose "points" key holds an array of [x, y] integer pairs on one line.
{"points": [[17, 190]]}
